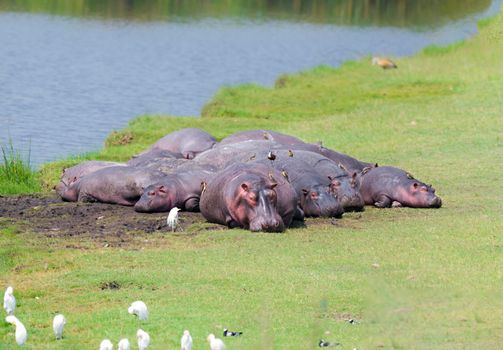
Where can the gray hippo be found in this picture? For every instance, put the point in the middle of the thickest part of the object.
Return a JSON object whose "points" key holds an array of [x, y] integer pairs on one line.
{"points": [[188, 142], [268, 135], [72, 174], [153, 156], [386, 187], [303, 166], [250, 196], [316, 193], [117, 185], [182, 190], [351, 164]]}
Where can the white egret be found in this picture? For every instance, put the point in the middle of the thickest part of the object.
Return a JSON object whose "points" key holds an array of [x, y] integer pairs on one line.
{"points": [[106, 345], [173, 218], [215, 343], [58, 323], [186, 341], [124, 344], [143, 339], [9, 301], [139, 309], [21, 333]]}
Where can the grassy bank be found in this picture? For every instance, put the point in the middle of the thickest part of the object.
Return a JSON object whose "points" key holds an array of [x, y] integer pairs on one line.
{"points": [[416, 279]]}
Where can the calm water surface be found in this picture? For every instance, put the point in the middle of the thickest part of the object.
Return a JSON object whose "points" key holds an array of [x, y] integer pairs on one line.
{"points": [[69, 77]]}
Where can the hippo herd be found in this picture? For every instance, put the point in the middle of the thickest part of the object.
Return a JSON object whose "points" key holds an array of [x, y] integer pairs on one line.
{"points": [[259, 180]]}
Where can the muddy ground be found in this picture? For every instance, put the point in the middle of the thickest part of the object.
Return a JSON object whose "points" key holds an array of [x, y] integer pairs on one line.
{"points": [[100, 223]]}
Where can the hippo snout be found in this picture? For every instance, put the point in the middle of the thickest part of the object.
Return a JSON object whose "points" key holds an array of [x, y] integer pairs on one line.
{"points": [[354, 203], [436, 202], [270, 225]]}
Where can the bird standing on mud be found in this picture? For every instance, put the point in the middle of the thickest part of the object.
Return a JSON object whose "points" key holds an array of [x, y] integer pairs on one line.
{"points": [[172, 220], [9, 301], [384, 63], [21, 333]]}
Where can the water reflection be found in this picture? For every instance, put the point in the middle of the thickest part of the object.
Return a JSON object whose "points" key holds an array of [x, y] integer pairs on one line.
{"points": [[67, 81], [399, 13]]}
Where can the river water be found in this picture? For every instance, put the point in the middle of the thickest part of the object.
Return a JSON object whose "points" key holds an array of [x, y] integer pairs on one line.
{"points": [[69, 76]]}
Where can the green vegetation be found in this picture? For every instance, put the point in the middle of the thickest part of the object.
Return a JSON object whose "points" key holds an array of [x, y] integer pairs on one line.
{"points": [[16, 174], [403, 13], [417, 279]]}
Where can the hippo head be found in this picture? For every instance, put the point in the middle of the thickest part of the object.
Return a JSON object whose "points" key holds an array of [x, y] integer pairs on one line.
{"points": [[347, 190], [320, 201], [418, 195], [158, 197], [70, 191], [255, 207]]}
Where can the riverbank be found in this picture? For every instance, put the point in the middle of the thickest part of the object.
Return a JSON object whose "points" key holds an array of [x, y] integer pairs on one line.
{"points": [[415, 279]]}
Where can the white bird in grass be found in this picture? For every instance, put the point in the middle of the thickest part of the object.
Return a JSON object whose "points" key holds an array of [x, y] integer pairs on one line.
{"points": [[124, 344], [186, 341], [173, 218], [106, 345], [58, 323], [139, 309], [143, 339], [9, 301], [21, 334], [215, 343]]}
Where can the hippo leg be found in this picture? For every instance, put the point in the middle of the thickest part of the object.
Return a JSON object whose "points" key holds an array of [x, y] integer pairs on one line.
{"points": [[192, 204], [396, 204], [383, 202], [299, 214]]}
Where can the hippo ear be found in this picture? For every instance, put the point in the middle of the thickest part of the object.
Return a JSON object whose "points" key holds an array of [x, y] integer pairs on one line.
{"points": [[305, 192], [274, 184], [244, 187], [415, 185], [343, 167], [376, 165]]}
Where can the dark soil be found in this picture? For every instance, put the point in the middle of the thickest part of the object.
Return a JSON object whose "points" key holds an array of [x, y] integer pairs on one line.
{"points": [[103, 224], [99, 222]]}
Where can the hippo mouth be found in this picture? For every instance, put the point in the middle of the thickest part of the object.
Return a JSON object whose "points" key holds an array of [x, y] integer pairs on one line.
{"points": [[436, 203]]}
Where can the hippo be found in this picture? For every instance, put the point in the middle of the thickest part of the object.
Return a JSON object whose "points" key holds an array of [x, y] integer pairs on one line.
{"points": [[316, 193], [250, 196], [182, 190], [153, 156], [269, 135], [117, 185], [188, 142], [71, 175], [351, 164], [386, 186], [304, 166]]}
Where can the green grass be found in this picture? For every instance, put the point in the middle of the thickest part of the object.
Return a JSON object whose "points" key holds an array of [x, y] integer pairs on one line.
{"points": [[417, 279], [16, 174]]}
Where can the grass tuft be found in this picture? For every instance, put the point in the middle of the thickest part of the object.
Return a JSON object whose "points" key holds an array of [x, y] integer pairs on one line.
{"points": [[16, 173]]}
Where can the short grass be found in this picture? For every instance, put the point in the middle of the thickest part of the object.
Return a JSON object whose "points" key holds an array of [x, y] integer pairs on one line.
{"points": [[416, 279]]}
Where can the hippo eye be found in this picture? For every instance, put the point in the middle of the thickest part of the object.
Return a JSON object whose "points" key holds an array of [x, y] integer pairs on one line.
{"points": [[151, 193], [314, 195], [424, 189]]}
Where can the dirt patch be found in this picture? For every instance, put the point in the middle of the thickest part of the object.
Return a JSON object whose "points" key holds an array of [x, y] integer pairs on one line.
{"points": [[101, 223], [86, 225]]}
